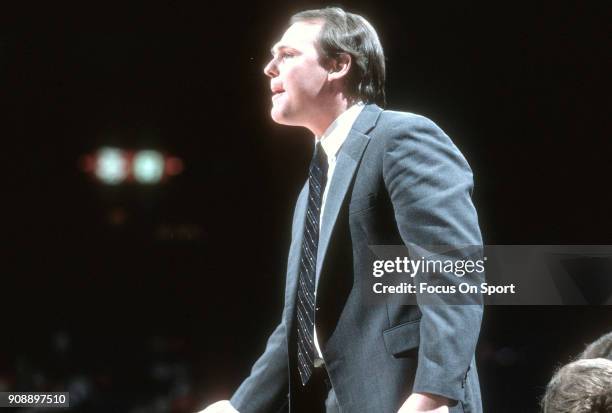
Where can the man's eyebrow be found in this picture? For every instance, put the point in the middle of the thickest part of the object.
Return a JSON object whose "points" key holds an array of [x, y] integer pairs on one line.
{"points": [[279, 47]]}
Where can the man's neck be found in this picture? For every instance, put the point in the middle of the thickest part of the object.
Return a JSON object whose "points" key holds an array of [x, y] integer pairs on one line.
{"points": [[329, 115]]}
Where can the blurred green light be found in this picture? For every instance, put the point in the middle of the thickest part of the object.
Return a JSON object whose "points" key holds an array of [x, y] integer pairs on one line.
{"points": [[111, 166], [148, 166]]}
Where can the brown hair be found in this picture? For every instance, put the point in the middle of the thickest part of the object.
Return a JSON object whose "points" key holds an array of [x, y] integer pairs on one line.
{"points": [[352, 34]]}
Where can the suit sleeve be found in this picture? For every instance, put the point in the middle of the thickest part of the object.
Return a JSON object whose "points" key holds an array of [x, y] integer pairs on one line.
{"points": [[265, 389], [430, 185]]}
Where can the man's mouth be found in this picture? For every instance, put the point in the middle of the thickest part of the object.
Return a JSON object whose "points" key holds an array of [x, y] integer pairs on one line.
{"points": [[277, 90], [277, 94]]}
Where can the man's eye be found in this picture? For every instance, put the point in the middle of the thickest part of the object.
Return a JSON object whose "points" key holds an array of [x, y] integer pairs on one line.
{"points": [[287, 55]]}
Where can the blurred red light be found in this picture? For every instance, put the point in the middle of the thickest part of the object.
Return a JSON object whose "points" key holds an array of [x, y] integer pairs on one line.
{"points": [[174, 166]]}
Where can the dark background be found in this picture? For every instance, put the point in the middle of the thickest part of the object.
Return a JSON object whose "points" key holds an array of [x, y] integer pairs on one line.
{"points": [[145, 299]]}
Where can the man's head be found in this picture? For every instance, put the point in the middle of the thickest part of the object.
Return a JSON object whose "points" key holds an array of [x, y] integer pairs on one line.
{"points": [[325, 60], [584, 386]]}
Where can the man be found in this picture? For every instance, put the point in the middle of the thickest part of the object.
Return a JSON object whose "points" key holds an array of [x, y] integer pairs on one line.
{"points": [[377, 178], [583, 386]]}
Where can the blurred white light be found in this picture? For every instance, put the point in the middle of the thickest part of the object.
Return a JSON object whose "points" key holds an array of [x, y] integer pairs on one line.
{"points": [[111, 166], [148, 167]]}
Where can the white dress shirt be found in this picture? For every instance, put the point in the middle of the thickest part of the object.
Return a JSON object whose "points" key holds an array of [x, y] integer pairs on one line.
{"points": [[331, 141]]}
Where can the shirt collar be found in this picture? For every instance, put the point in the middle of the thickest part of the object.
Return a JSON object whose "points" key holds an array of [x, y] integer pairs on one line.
{"points": [[338, 131]]}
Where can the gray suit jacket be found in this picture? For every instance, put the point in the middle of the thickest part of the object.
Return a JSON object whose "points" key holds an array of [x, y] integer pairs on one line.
{"points": [[399, 180]]}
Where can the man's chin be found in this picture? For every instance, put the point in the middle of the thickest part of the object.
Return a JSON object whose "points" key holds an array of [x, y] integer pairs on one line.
{"points": [[279, 117], [285, 117]]}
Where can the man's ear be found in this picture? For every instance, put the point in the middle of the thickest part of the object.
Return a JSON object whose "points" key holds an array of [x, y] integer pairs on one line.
{"points": [[340, 67]]}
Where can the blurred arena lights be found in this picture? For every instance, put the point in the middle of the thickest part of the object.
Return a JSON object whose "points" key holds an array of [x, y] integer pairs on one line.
{"points": [[114, 166], [148, 166], [111, 166]]}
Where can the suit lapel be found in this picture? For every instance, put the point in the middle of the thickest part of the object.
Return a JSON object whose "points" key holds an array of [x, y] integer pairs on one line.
{"points": [[346, 165]]}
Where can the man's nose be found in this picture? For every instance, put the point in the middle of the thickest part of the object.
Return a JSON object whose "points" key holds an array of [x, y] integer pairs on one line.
{"points": [[271, 70]]}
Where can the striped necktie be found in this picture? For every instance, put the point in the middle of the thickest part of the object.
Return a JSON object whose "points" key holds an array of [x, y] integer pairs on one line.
{"points": [[317, 178]]}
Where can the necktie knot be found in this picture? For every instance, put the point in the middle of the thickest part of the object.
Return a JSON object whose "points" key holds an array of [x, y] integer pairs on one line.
{"points": [[318, 164]]}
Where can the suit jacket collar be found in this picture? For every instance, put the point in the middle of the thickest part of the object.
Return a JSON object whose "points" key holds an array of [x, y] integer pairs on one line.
{"points": [[367, 119]]}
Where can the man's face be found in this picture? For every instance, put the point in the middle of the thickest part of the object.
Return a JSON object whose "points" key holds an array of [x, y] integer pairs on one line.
{"points": [[297, 78]]}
